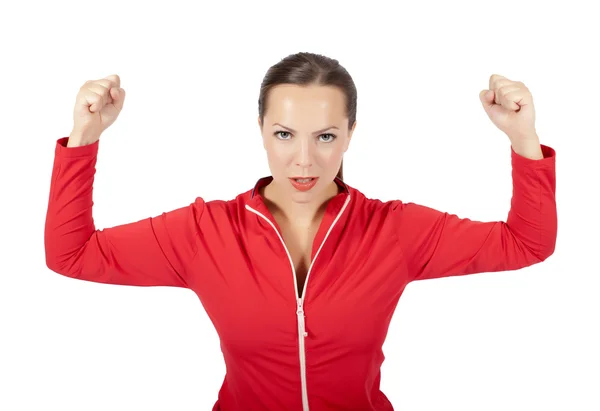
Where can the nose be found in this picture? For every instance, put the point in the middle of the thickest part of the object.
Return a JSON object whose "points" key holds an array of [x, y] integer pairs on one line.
{"points": [[303, 154]]}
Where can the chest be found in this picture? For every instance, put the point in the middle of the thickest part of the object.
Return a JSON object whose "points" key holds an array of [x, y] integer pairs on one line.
{"points": [[299, 242], [349, 276]]}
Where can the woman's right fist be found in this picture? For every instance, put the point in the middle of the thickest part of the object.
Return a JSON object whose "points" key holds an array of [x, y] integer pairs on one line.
{"points": [[97, 106]]}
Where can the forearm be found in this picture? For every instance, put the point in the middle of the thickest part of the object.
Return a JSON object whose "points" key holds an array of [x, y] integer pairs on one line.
{"points": [[78, 140], [528, 147]]}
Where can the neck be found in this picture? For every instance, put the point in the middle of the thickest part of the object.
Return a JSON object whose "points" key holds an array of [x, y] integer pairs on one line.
{"points": [[302, 214]]}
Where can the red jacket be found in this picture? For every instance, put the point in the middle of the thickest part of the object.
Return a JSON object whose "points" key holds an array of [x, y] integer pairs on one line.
{"points": [[321, 350]]}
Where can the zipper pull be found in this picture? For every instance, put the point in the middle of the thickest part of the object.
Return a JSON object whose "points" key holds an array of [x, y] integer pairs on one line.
{"points": [[300, 310], [300, 313]]}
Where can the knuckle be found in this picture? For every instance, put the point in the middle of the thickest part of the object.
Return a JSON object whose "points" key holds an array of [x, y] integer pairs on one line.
{"points": [[98, 97], [106, 85], [94, 96], [88, 85], [114, 80], [104, 88], [496, 77]]}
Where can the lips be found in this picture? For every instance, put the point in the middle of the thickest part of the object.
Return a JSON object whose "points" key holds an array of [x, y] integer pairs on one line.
{"points": [[303, 183], [302, 178]]}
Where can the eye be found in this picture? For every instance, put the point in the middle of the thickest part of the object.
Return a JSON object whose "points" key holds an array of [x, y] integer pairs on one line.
{"points": [[277, 134], [332, 137], [328, 136]]}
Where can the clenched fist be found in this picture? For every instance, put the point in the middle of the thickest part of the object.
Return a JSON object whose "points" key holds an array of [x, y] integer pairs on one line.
{"points": [[509, 104], [97, 106]]}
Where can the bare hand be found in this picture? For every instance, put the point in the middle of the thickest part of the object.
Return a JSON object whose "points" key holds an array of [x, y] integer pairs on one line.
{"points": [[509, 105], [97, 106]]}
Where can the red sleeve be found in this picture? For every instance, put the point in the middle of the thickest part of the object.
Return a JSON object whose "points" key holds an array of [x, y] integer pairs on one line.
{"points": [[437, 244], [149, 252]]}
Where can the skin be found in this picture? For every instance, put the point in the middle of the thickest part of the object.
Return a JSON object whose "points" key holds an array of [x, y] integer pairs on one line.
{"points": [[303, 152], [300, 151], [305, 109], [509, 105], [306, 152]]}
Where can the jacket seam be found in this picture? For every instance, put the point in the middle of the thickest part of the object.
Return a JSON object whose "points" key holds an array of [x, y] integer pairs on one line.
{"points": [[163, 251], [400, 248], [197, 229]]}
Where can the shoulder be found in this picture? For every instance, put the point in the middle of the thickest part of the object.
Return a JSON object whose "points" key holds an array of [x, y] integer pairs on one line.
{"points": [[201, 203], [396, 209], [222, 211], [362, 201]]}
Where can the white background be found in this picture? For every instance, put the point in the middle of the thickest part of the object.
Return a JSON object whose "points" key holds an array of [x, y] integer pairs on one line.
{"points": [[521, 340]]}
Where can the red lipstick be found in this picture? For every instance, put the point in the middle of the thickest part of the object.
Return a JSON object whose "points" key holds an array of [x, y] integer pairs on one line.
{"points": [[302, 185]]}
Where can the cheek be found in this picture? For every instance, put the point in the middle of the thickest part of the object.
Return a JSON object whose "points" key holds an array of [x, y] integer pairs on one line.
{"points": [[279, 155], [330, 156]]}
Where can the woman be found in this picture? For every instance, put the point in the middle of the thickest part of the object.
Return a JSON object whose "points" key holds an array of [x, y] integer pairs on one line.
{"points": [[300, 274]]}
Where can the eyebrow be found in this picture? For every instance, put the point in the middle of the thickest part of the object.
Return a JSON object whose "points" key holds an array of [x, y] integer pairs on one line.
{"points": [[316, 132]]}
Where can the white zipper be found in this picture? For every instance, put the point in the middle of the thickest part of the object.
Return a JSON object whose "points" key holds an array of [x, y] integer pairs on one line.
{"points": [[302, 334]]}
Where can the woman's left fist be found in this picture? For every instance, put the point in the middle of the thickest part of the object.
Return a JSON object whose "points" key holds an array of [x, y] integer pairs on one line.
{"points": [[509, 105]]}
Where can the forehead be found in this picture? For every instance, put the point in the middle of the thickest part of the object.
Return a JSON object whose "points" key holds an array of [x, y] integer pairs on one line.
{"points": [[310, 102]]}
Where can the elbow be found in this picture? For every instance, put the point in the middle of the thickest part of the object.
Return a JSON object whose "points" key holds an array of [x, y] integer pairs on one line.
{"points": [[61, 269], [51, 253], [51, 256], [548, 239], [62, 262], [52, 264], [549, 245], [56, 260], [57, 265], [535, 253], [547, 252]]}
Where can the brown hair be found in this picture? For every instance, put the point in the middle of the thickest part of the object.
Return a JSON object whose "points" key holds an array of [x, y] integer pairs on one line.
{"points": [[310, 69]]}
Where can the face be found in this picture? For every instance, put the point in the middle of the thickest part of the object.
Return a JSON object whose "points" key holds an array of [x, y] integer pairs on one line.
{"points": [[305, 134]]}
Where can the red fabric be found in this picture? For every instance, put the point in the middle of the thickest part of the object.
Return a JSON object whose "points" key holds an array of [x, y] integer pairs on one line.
{"points": [[236, 264]]}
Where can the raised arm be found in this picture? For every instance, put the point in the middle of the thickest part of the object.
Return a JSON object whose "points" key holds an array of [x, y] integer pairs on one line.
{"points": [[437, 244], [150, 252]]}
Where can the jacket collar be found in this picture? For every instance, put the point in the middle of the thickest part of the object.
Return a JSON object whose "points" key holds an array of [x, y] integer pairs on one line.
{"points": [[336, 206], [263, 229]]}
